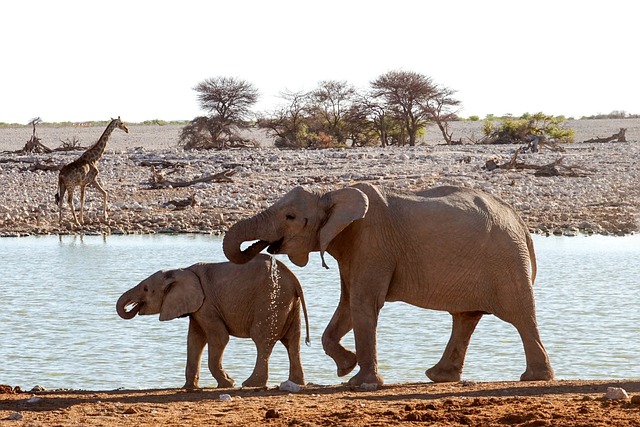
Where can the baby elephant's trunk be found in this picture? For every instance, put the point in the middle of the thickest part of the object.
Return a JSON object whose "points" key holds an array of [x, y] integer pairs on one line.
{"points": [[126, 301]]}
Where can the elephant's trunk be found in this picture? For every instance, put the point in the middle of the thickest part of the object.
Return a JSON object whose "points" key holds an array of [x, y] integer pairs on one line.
{"points": [[242, 231], [123, 302]]}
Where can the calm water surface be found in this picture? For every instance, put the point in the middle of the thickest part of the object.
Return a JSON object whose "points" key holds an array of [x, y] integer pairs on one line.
{"points": [[59, 327]]}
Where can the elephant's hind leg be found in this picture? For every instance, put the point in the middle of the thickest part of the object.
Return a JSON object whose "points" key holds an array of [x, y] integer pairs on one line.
{"points": [[449, 368], [337, 328], [260, 373], [538, 365], [291, 341]]}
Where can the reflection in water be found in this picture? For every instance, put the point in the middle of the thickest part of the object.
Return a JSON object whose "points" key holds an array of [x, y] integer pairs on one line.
{"points": [[60, 328]]}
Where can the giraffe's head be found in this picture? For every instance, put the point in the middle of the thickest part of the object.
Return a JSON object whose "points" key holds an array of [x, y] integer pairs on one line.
{"points": [[120, 124]]}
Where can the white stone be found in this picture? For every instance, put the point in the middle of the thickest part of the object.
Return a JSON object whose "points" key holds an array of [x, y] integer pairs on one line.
{"points": [[369, 386], [616, 393], [290, 386], [226, 398]]}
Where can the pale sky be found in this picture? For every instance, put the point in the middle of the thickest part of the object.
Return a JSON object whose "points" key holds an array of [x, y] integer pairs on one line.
{"points": [[92, 60]]}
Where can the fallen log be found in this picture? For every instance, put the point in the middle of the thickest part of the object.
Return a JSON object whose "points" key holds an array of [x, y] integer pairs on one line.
{"points": [[158, 181], [617, 137], [555, 168]]}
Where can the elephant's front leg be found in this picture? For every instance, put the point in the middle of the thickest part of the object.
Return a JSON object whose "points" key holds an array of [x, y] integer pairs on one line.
{"points": [[365, 308], [260, 374], [196, 341], [449, 368], [218, 337], [337, 328]]}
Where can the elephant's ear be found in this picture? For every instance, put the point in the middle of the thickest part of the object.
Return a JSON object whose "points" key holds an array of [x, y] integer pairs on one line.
{"points": [[343, 207], [183, 296]]}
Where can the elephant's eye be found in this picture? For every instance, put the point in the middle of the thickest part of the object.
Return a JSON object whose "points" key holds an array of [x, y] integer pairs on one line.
{"points": [[146, 288], [290, 217]]}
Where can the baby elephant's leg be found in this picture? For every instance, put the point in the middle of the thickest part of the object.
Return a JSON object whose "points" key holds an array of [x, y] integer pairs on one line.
{"points": [[196, 341], [260, 373], [218, 340], [291, 341]]}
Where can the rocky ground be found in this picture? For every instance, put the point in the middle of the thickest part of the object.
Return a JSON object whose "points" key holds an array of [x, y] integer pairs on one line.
{"points": [[595, 189]]}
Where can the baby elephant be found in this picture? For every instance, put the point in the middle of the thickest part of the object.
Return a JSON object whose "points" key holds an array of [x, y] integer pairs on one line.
{"points": [[259, 300]]}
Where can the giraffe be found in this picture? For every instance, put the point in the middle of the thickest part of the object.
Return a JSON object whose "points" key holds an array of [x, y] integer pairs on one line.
{"points": [[83, 171]]}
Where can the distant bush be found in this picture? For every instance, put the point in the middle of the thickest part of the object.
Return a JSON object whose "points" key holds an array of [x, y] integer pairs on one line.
{"points": [[616, 114], [516, 130]]}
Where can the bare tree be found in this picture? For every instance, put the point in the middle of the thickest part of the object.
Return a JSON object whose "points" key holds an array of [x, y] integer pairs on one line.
{"points": [[288, 122], [405, 93], [34, 145], [441, 107], [228, 101]]}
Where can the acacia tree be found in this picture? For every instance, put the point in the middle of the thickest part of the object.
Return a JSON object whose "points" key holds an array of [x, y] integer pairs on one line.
{"points": [[441, 107], [288, 122], [228, 102], [329, 104], [406, 93], [381, 119]]}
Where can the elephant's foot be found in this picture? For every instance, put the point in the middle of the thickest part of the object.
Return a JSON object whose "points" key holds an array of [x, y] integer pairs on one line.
{"points": [[255, 381], [226, 382], [439, 374], [365, 377], [297, 378], [191, 386], [345, 363], [539, 373]]}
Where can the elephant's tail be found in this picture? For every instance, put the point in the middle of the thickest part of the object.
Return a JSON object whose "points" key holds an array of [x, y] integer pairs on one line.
{"points": [[532, 257], [307, 339]]}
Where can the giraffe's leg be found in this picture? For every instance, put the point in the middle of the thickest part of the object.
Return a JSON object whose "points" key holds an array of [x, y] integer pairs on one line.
{"points": [[60, 201], [96, 184], [82, 189], [70, 201]]}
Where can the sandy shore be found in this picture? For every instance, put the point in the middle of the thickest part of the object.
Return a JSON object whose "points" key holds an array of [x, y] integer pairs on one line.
{"points": [[556, 403], [596, 190]]}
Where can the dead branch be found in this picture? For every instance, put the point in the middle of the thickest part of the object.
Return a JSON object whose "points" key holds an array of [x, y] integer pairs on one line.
{"points": [[616, 137], [161, 163], [158, 181], [182, 204], [555, 168], [47, 166], [34, 145], [72, 144]]}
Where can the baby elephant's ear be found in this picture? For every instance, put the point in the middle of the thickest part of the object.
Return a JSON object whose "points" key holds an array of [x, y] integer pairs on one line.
{"points": [[183, 296]]}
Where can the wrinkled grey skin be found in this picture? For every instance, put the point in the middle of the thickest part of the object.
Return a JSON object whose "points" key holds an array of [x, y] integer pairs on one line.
{"points": [[223, 299], [447, 248]]}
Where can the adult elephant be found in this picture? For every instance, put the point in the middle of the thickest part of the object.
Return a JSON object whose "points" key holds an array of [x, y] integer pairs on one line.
{"points": [[447, 248]]}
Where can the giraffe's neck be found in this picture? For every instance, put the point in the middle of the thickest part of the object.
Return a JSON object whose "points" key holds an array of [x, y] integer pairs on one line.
{"points": [[96, 151]]}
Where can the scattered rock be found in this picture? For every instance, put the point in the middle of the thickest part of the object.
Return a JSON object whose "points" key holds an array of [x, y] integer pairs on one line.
{"points": [[290, 386], [369, 386], [616, 393], [226, 398], [272, 413], [16, 416]]}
